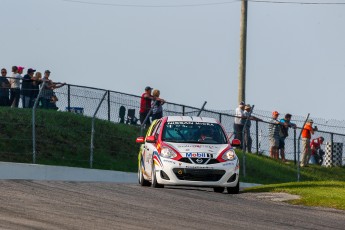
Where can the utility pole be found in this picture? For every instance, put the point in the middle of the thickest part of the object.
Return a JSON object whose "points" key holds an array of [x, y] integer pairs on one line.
{"points": [[243, 51]]}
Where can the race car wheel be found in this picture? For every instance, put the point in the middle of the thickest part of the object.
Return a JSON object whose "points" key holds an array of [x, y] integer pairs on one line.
{"points": [[234, 190], [155, 184], [141, 179], [218, 189]]}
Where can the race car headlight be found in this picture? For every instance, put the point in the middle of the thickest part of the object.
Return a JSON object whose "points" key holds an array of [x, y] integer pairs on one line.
{"points": [[167, 152], [229, 155]]}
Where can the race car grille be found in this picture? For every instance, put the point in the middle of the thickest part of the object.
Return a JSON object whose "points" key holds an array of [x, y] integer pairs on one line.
{"points": [[213, 161], [199, 160], [198, 174], [185, 160]]}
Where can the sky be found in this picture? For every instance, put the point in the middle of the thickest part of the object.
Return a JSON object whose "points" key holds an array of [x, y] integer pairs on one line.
{"points": [[188, 49]]}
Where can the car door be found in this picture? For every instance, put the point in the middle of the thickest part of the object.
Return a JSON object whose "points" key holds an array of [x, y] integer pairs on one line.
{"points": [[150, 148]]}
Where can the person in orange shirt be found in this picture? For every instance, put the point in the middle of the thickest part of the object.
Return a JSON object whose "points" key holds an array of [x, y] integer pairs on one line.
{"points": [[308, 130]]}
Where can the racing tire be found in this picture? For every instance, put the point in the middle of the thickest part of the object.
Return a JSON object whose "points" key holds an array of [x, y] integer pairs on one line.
{"points": [[234, 190], [218, 189], [141, 178], [154, 182]]}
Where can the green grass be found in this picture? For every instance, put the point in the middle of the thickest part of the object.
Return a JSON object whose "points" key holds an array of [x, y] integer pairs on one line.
{"points": [[330, 194], [264, 170], [64, 139]]}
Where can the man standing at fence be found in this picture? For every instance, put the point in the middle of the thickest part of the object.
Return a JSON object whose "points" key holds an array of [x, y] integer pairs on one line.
{"points": [[247, 139], [15, 87], [145, 106], [307, 131], [239, 121], [273, 134], [316, 152], [284, 133], [27, 88], [4, 88]]}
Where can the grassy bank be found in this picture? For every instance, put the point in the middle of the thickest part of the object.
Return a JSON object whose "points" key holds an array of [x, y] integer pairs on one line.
{"points": [[264, 170], [64, 139], [330, 194]]}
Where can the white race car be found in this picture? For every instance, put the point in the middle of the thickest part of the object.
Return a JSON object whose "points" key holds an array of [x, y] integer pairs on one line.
{"points": [[188, 151]]}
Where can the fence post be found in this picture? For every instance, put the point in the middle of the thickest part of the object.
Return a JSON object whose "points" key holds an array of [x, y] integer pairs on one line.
{"points": [[69, 97], [294, 146], [183, 110], [108, 105], [257, 136], [34, 124], [93, 130], [220, 118], [332, 148]]}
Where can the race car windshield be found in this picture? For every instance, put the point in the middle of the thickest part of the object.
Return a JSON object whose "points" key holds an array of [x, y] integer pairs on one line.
{"points": [[193, 132]]}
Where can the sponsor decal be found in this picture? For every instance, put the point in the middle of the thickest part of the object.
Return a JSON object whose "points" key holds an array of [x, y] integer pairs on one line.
{"points": [[169, 161], [197, 146], [199, 155], [198, 167], [229, 163], [190, 123], [189, 146]]}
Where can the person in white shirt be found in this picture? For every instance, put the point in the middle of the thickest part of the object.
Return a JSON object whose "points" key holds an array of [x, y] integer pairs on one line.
{"points": [[15, 86], [239, 121]]}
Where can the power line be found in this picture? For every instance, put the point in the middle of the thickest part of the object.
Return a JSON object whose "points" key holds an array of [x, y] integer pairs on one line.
{"points": [[297, 2], [202, 4], [148, 6]]}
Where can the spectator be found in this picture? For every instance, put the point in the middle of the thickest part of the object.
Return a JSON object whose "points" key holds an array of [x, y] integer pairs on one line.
{"points": [[157, 105], [15, 86], [273, 134], [284, 133], [247, 124], [316, 151], [48, 97], [239, 122], [36, 81], [145, 105], [308, 130], [27, 87], [4, 88]]}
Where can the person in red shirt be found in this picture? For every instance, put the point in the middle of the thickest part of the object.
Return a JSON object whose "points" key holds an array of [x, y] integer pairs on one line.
{"points": [[316, 152], [145, 105], [308, 130]]}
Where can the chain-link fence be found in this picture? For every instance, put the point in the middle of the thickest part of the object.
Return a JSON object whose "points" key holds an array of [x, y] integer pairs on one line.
{"points": [[120, 107]]}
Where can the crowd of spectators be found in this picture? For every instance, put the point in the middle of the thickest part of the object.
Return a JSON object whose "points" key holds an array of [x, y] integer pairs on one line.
{"points": [[278, 131], [26, 88], [150, 106]]}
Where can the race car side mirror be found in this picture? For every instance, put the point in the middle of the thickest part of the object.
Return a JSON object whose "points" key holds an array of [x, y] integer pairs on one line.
{"points": [[150, 139], [140, 140], [236, 143]]}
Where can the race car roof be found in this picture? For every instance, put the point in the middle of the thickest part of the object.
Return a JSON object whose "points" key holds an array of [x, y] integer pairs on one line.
{"points": [[195, 119]]}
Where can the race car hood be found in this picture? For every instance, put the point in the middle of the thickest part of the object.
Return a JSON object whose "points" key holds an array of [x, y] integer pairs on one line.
{"points": [[198, 148]]}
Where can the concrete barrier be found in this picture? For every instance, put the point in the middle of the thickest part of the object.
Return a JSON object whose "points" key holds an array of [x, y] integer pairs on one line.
{"points": [[20, 171], [60, 173]]}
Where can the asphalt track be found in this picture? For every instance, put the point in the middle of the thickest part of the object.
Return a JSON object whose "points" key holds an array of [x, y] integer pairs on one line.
{"points": [[83, 205]]}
